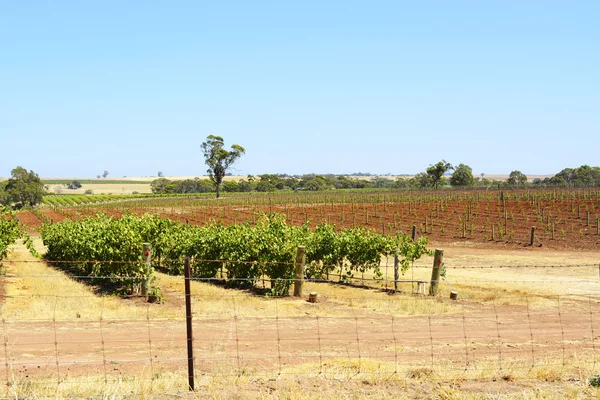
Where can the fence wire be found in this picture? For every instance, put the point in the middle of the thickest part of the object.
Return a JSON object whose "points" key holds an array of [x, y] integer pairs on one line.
{"points": [[56, 342]]}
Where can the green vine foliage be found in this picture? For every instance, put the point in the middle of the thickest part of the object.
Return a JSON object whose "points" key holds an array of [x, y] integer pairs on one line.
{"points": [[242, 253], [10, 231], [102, 246], [409, 250]]}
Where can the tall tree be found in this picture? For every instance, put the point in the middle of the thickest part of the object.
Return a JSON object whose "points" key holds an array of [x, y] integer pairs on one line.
{"points": [[462, 176], [219, 159], [517, 178], [24, 187], [437, 171]]}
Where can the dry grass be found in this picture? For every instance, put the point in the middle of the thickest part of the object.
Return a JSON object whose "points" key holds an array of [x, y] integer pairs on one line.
{"points": [[37, 291], [211, 300], [139, 386], [337, 378]]}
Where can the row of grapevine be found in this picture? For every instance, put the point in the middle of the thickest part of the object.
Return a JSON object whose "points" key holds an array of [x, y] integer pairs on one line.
{"points": [[83, 199], [10, 231], [243, 253], [102, 246], [268, 247]]}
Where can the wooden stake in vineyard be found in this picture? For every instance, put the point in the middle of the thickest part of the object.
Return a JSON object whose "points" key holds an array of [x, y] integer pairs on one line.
{"points": [[300, 262], [587, 217], [146, 258], [438, 261]]}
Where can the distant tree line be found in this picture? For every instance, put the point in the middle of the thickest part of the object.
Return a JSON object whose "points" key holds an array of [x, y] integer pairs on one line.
{"points": [[581, 176], [270, 183], [310, 182], [436, 175]]}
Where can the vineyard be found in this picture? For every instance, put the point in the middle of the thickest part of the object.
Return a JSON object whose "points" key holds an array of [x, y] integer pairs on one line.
{"points": [[525, 316], [10, 231], [563, 218], [80, 199], [242, 254]]}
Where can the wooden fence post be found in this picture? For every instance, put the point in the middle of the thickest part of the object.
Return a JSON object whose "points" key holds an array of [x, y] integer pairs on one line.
{"points": [[188, 319], [438, 260], [146, 258], [300, 262], [414, 232], [532, 239]]}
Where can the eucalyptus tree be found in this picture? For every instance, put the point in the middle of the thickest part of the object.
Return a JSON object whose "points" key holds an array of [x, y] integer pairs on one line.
{"points": [[218, 159]]}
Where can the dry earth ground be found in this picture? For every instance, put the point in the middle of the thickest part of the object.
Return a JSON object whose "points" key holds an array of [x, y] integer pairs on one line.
{"points": [[523, 333]]}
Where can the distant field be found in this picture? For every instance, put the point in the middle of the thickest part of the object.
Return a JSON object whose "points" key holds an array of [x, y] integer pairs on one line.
{"points": [[92, 181], [102, 188], [123, 185]]}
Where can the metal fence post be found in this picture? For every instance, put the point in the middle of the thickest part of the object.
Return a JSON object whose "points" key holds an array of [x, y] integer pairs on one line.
{"points": [[188, 320]]}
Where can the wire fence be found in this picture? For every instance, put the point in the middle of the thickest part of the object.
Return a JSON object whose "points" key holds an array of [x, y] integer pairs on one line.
{"points": [[66, 341]]}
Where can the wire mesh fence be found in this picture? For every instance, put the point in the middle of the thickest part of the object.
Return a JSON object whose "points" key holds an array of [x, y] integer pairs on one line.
{"points": [[57, 341]]}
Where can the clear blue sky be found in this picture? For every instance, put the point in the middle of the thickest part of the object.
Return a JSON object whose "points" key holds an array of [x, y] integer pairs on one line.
{"points": [[134, 87]]}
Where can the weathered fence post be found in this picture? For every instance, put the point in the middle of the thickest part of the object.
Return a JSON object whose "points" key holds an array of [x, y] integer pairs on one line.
{"points": [[532, 239], [146, 258], [438, 260], [188, 319], [300, 261], [396, 272], [414, 232]]}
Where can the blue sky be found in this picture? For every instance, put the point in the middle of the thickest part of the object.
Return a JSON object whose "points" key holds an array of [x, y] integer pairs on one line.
{"points": [[134, 87]]}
